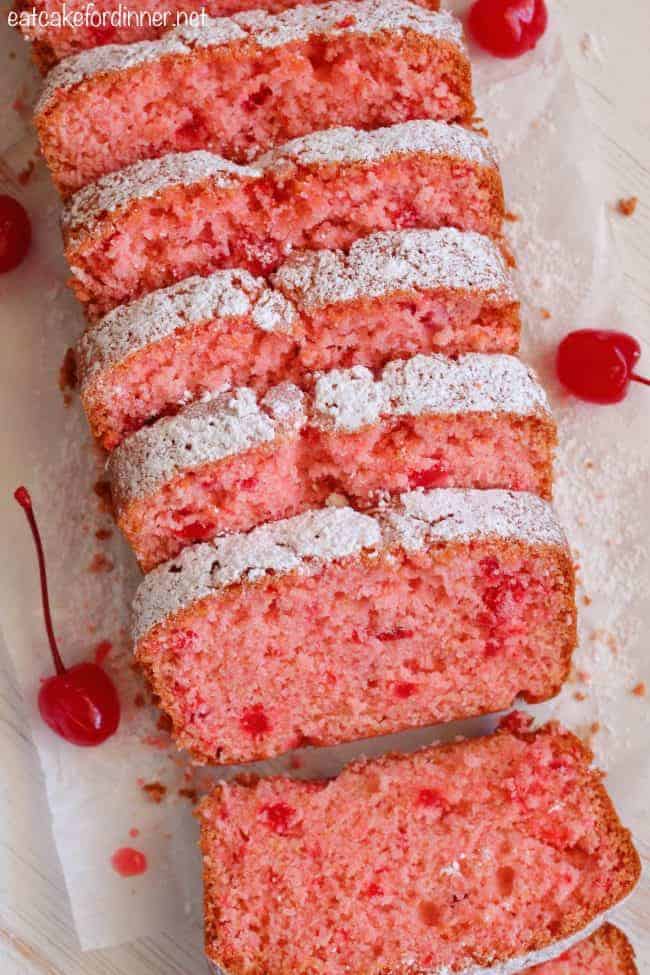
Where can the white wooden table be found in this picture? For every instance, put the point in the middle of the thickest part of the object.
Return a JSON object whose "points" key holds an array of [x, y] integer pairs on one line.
{"points": [[608, 46]]}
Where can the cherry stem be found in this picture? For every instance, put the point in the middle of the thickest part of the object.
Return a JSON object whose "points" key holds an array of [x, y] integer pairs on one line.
{"points": [[640, 379], [23, 498]]}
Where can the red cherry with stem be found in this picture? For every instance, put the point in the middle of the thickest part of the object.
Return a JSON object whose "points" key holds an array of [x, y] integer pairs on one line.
{"points": [[80, 703], [508, 28], [598, 365], [15, 233]]}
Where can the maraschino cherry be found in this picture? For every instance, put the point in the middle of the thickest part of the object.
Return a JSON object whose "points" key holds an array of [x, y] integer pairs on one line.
{"points": [[508, 28], [80, 703], [15, 233], [598, 365]]}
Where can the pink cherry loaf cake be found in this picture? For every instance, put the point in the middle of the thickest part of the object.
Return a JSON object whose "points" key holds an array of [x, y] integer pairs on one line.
{"points": [[335, 625], [607, 952], [161, 221], [146, 21], [393, 294], [477, 858], [233, 462], [240, 85]]}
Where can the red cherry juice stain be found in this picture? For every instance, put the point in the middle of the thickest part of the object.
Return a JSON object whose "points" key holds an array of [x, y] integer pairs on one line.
{"points": [[129, 862]]}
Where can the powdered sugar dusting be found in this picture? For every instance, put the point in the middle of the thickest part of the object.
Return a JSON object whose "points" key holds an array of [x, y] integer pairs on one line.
{"points": [[263, 29], [343, 399], [104, 59], [304, 543], [224, 294], [226, 424], [284, 546], [384, 263], [439, 516], [348, 399], [375, 266], [345, 144], [345, 17], [144, 180]]}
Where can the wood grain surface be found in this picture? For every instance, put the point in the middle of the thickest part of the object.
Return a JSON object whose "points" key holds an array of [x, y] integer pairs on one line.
{"points": [[608, 47]]}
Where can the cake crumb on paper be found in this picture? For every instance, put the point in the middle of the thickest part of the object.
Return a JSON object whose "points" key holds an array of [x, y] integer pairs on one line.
{"points": [[626, 206], [100, 563], [155, 791], [68, 380]]}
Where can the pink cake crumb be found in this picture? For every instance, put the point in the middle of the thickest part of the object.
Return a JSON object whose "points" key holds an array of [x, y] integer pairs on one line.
{"points": [[239, 86], [50, 44], [233, 462], [518, 857], [335, 625], [164, 220], [392, 295]]}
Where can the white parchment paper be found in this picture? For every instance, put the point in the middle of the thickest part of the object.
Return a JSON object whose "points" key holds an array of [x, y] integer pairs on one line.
{"points": [[569, 277]]}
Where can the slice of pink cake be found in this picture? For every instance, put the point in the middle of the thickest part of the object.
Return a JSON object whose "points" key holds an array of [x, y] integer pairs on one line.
{"points": [[240, 85], [473, 858], [393, 295], [607, 952], [336, 625], [61, 28], [233, 462], [164, 220]]}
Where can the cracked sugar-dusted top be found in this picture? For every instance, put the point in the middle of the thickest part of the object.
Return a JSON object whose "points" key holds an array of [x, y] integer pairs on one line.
{"points": [[391, 261], [224, 294], [208, 430], [263, 29], [345, 144], [306, 542], [377, 265], [144, 180], [343, 400], [348, 399]]}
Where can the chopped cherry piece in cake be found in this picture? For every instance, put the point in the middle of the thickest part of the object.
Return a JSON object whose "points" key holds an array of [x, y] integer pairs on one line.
{"points": [[279, 817], [492, 648], [405, 689], [598, 365], [434, 476], [15, 233], [508, 28], [517, 722], [372, 890], [432, 799], [196, 531], [249, 483], [397, 634], [254, 720], [80, 703], [104, 34]]}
